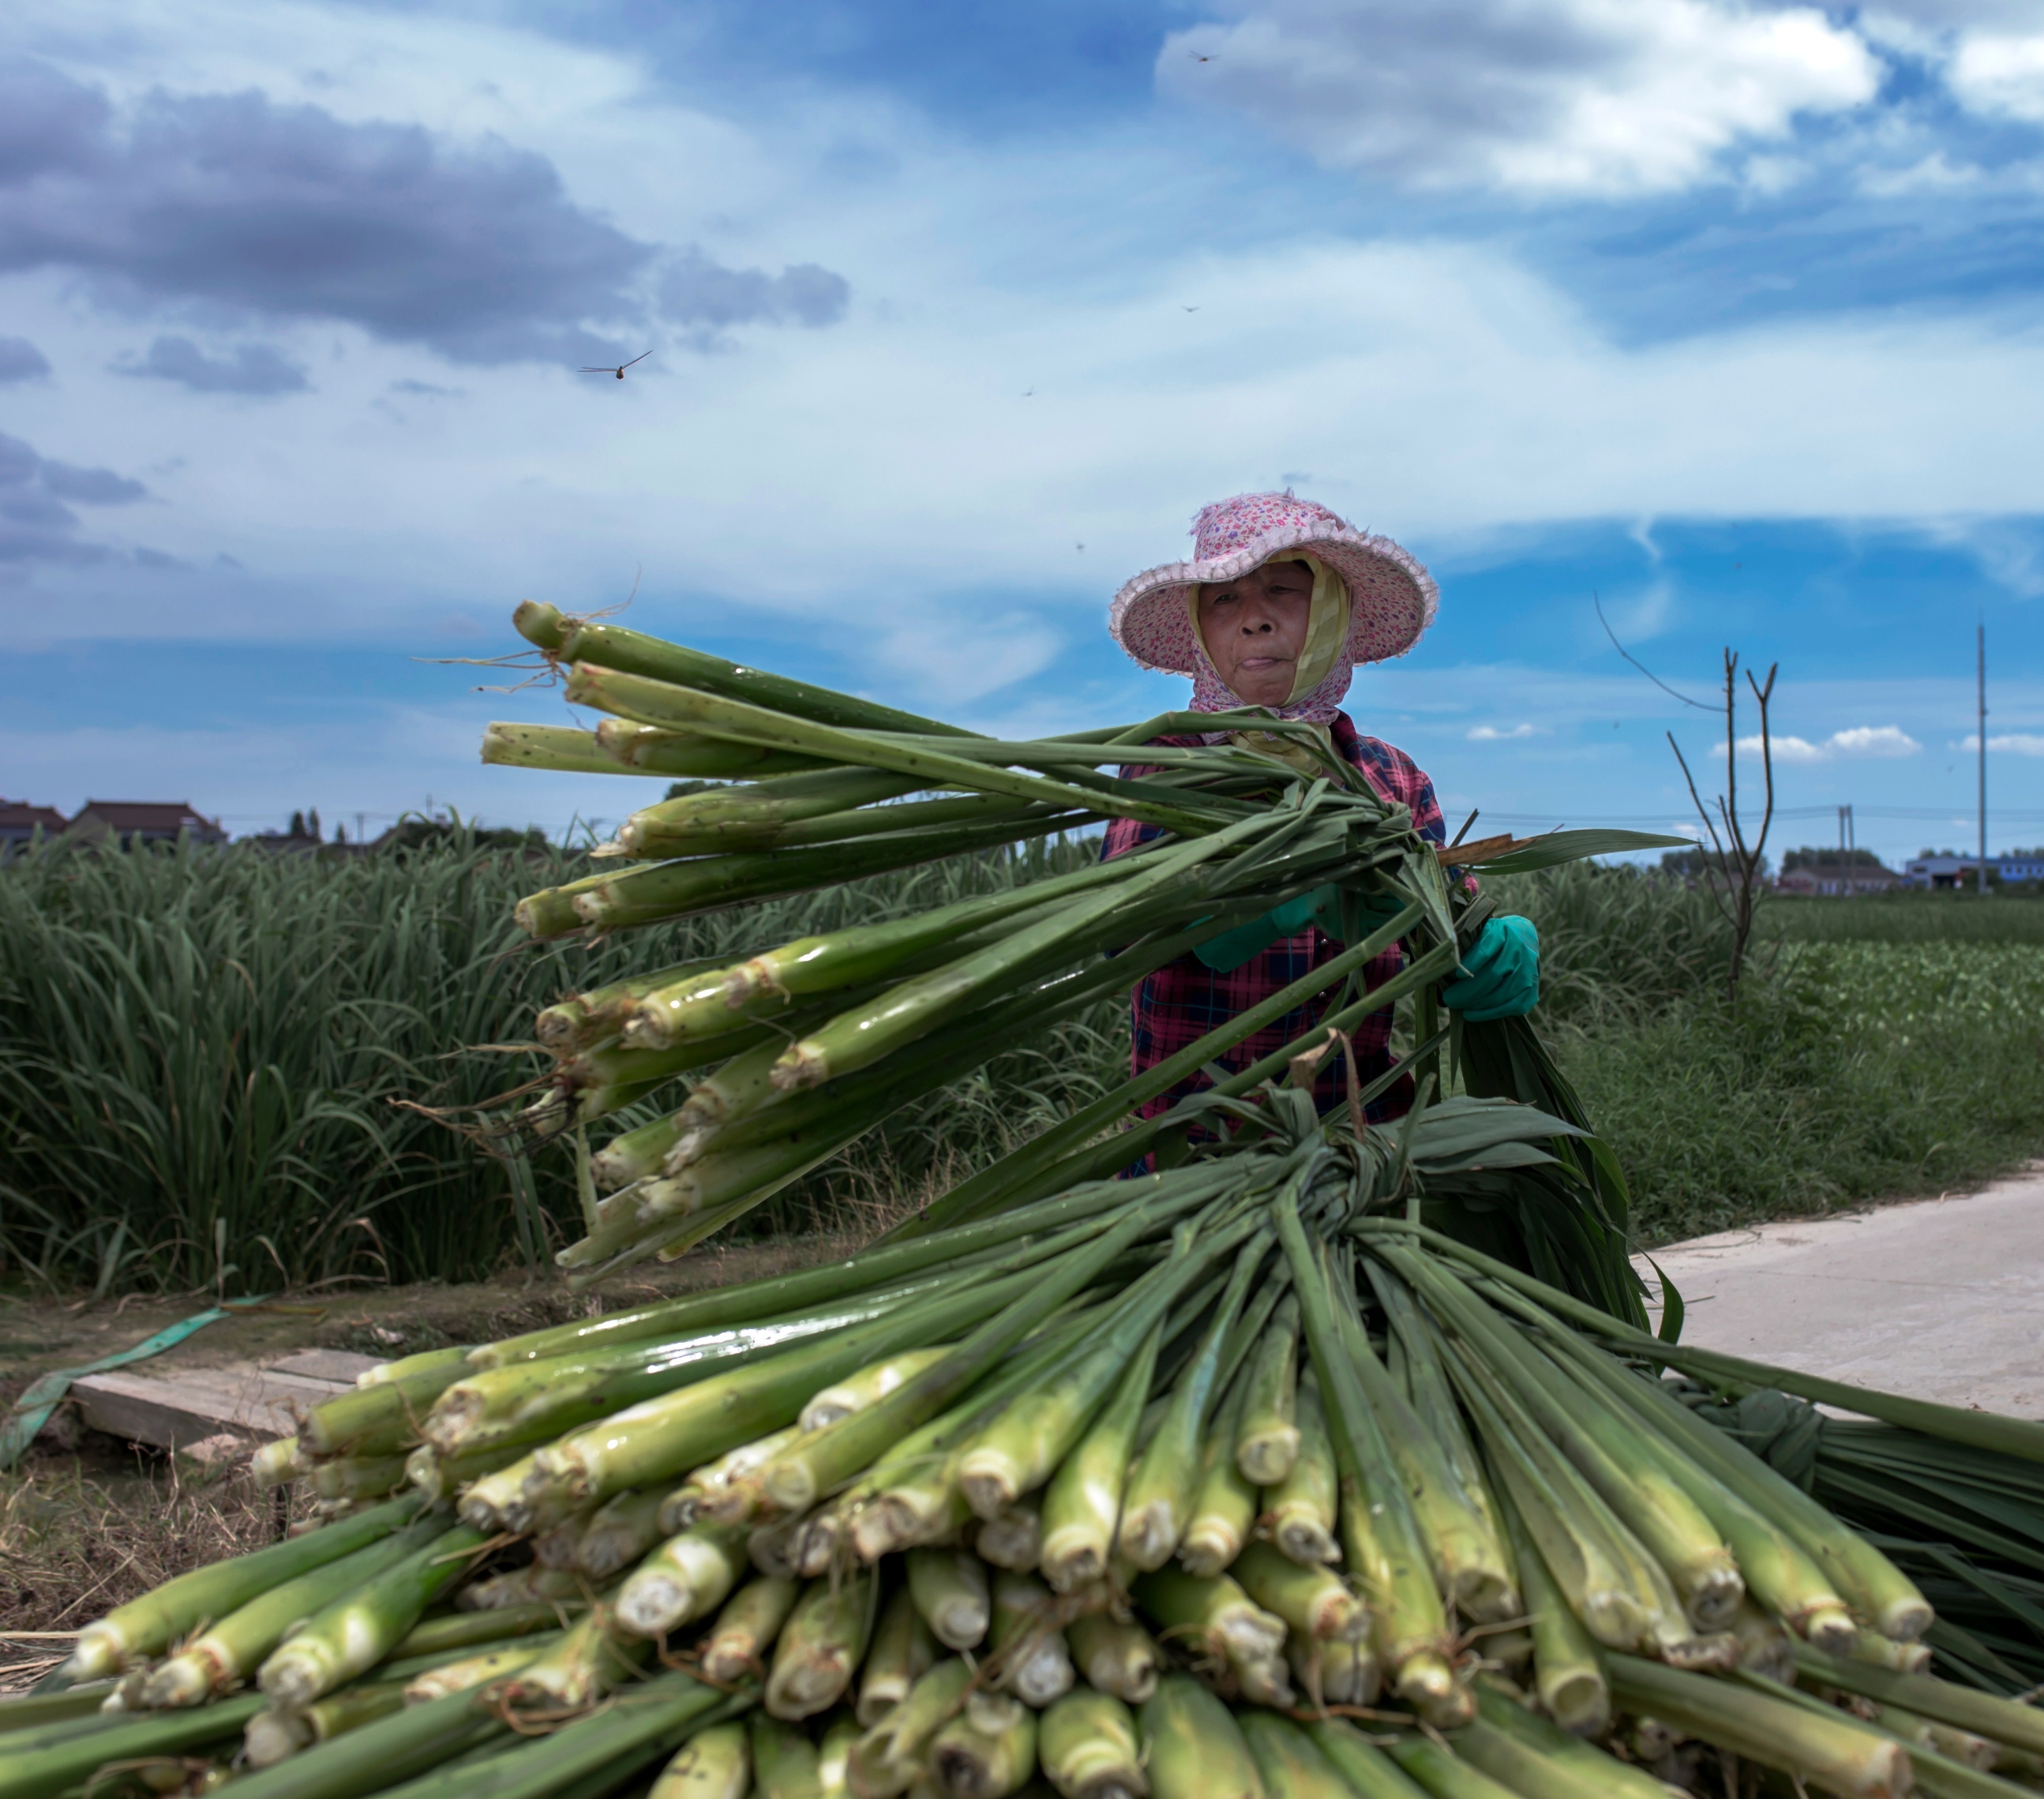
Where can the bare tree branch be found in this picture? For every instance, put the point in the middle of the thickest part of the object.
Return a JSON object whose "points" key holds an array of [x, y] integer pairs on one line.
{"points": [[1719, 900], [1636, 662], [1737, 863]]}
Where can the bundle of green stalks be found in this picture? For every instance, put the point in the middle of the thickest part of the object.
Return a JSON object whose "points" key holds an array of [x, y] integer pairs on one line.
{"points": [[1966, 1522], [1233, 1479], [1323, 1458], [795, 1052]]}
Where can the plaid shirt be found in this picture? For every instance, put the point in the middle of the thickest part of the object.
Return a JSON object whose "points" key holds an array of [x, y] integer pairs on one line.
{"points": [[1184, 999]]}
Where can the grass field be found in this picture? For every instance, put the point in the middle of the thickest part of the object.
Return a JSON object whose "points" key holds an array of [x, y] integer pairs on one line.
{"points": [[200, 1053], [1888, 1047]]}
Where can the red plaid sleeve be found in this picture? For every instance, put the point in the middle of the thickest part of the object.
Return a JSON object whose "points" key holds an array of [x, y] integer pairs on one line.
{"points": [[1184, 999]]}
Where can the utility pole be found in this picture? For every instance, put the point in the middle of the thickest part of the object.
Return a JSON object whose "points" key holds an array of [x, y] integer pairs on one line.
{"points": [[1980, 640]]}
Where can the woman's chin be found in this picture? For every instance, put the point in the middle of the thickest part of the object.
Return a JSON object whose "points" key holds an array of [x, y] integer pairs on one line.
{"points": [[1273, 696]]}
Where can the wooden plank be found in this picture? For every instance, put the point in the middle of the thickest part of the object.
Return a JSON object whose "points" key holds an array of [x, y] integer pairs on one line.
{"points": [[243, 1381], [343, 1365], [174, 1411], [167, 1415]]}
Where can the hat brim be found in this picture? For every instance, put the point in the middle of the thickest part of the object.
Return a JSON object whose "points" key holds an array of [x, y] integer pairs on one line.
{"points": [[1392, 599]]}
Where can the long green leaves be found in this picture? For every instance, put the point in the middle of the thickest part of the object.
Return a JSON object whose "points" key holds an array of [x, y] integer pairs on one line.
{"points": [[200, 1049]]}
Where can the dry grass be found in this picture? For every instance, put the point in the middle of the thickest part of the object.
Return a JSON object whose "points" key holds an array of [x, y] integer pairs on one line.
{"points": [[89, 1521], [80, 1534]]}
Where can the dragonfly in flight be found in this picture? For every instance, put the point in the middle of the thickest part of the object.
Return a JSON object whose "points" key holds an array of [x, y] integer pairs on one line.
{"points": [[618, 368]]}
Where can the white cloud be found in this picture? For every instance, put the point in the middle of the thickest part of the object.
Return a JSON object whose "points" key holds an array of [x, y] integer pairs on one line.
{"points": [[884, 481], [1649, 613], [2009, 551], [1784, 749], [2000, 74], [957, 667], [1491, 734], [1881, 741], [1539, 96], [1874, 740], [2019, 743], [890, 463]]}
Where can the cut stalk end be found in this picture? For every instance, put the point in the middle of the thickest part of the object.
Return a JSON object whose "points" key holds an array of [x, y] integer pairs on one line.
{"points": [[275, 1737], [991, 1480], [541, 624], [99, 1652], [806, 1063], [1831, 1629], [1268, 1458], [188, 1679], [1579, 1702], [1149, 1534]]}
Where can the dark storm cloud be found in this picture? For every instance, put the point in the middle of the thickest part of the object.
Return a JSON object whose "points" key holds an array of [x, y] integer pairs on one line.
{"points": [[89, 487], [697, 291], [36, 525], [230, 201], [46, 122], [20, 360], [253, 368]]}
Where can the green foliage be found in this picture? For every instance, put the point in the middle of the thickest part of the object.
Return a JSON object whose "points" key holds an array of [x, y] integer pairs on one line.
{"points": [[1808, 858], [201, 1053], [200, 1050], [1616, 942], [416, 833], [1913, 916], [1860, 1071], [1890, 1045]]}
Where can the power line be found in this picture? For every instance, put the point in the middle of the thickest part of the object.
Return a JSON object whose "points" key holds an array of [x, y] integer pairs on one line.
{"points": [[1982, 729], [1930, 815]]}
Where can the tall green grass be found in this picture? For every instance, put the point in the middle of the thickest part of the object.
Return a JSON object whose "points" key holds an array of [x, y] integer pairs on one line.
{"points": [[202, 1053], [1882, 1047], [1911, 917]]}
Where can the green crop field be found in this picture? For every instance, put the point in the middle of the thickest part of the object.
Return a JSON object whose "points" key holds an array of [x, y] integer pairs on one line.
{"points": [[201, 1055], [1886, 1048]]}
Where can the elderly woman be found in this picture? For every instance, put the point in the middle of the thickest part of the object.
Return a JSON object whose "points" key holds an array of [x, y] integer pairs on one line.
{"points": [[1279, 602]]}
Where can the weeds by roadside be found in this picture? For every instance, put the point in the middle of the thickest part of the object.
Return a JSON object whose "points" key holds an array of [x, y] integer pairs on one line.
{"points": [[76, 1542], [1861, 1072], [198, 1049]]}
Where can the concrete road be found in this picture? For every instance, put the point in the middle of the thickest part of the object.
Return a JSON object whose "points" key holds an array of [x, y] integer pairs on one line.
{"points": [[1939, 1298]]}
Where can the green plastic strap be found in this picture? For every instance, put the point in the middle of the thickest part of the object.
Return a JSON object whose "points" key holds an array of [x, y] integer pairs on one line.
{"points": [[29, 1413]]}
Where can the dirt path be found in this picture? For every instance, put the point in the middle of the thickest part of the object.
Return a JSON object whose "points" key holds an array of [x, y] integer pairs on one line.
{"points": [[1938, 1298]]}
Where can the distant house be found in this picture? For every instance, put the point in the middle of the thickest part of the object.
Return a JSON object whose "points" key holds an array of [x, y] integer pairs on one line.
{"points": [[300, 839], [134, 821], [1946, 869], [19, 822], [1838, 880]]}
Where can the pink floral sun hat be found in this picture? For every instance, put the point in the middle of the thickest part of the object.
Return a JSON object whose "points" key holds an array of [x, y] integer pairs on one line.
{"points": [[1392, 598]]}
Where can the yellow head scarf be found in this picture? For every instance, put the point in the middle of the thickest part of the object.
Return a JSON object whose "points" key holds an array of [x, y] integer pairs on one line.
{"points": [[1327, 635]]}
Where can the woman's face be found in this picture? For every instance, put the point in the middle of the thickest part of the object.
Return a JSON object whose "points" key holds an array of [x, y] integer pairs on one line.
{"points": [[1254, 629]]}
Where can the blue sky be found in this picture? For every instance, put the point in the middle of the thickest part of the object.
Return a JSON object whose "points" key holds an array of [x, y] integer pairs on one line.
{"points": [[1724, 313]]}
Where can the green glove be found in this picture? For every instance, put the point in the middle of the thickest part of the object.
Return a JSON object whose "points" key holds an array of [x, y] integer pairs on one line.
{"points": [[1322, 908], [1500, 975], [1227, 952]]}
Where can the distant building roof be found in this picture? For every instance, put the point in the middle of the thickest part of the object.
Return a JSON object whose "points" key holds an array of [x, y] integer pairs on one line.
{"points": [[1943, 868], [20, 821], [146, 819], [1839, 878]]}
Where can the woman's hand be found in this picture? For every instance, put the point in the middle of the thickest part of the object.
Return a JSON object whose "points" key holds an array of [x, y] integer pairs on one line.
{"points": [[1500, 975]]}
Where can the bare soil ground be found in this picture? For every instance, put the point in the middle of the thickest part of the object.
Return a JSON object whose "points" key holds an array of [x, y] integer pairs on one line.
{"points": [[87, 1521]]}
